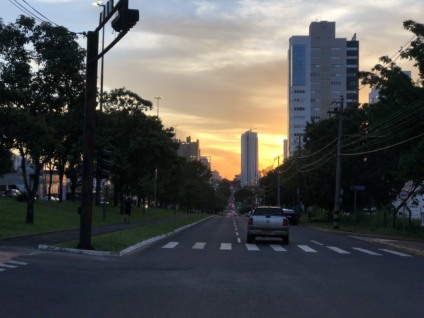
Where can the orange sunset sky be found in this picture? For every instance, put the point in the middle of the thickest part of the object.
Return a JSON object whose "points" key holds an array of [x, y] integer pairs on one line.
{"points": [[221, 66]]}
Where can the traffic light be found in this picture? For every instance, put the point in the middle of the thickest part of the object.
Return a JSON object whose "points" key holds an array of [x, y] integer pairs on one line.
{"points": [[125, 19], [104, 162]]}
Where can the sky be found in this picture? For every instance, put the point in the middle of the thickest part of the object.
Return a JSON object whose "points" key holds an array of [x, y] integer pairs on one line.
{"points": [[220, 66]]}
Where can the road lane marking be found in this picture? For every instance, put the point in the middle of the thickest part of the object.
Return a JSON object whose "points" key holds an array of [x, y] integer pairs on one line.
{"points": [[318, 243], [366, 251], [395, 252], [225, 246], [252, 247], [307, 249], [239, 240], [278, 248], [170, 245], [338, 250], [199, 246]]}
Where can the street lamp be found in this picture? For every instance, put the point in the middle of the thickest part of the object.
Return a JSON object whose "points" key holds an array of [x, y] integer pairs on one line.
{"points": [[100, 4], [158, 98]]}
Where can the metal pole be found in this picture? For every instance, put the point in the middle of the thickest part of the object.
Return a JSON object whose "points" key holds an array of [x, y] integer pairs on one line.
{"points": [[336, 215], [102, 70], [88, 141]]}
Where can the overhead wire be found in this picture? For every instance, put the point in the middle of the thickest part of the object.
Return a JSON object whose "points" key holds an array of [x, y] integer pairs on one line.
{"points": [[29, 10]]}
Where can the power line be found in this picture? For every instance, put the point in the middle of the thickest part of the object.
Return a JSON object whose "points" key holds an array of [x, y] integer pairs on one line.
{"points": [[40, 13], [25, 10], [383, 148], [37, 15]]}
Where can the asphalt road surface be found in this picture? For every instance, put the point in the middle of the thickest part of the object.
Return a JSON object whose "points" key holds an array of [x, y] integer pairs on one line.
{"points": [[208, 270]]}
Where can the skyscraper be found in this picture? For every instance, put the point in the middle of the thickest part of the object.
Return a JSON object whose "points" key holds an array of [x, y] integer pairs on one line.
{"points": [[249, 159], [323, 71]]}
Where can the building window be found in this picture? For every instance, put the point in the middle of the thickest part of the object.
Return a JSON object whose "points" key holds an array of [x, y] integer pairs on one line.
{"points": [[299, 64]]}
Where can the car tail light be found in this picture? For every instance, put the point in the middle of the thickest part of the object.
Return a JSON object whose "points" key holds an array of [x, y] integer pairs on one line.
{"points": [[250, 221], [285, 222]]}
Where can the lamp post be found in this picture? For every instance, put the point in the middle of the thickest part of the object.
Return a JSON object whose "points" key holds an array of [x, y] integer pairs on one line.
{"points": [[158, 98]]}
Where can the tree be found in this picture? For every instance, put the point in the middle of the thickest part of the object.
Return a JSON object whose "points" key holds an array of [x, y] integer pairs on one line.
{"points": [[39, 81]]}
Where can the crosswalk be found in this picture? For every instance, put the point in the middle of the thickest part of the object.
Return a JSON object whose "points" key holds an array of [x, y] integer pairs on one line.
{"points": [[10, 264], [315, 248]]}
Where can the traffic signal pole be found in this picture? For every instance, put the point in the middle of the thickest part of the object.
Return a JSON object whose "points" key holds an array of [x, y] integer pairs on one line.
{"points": [[125, 20], [89, 141]]}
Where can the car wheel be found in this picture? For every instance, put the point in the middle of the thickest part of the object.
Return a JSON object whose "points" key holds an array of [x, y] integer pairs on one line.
{"points": [[250, 239], [285, 239]]}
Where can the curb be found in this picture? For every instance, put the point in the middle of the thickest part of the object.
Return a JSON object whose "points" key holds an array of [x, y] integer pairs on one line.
{"points": [[124, 252]]}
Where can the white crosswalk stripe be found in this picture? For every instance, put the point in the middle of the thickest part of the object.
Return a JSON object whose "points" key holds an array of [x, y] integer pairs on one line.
{"points": [[307, 249], [7, 266], [338, 250], [252, 247], [17, 262], [226, 246], [11, 264], [278, 248], [395, 252], [366, 251], [199, 246], [255, 247], [170, 245]]}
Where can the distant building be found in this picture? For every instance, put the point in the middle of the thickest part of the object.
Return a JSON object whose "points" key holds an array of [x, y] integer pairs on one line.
{"points": [[249, 159], [322, 69], [189, 150], [15, 179]]}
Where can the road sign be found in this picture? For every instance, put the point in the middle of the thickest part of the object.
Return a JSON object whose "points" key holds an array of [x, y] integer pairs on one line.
{"points": [[403, 195]]}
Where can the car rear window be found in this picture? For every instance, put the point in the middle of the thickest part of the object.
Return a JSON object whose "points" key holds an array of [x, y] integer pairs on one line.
{"points": [[262, 211]]}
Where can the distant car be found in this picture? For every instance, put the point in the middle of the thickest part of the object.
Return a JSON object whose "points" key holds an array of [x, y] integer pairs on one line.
{"points": [[268, 221], [292, 216], [11, 193]]}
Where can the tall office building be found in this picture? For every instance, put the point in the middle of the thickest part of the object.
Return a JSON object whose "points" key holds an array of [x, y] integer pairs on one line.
{"points": [[189, 149], [323, 71], [249, 159]]}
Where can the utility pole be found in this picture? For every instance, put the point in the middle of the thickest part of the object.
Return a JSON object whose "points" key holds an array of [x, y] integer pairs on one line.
{"points": [[299, 180], [278, 183], [336, 215]]}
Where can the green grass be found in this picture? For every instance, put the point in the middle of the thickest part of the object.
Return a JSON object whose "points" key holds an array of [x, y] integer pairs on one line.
{"points": [[118, 241], [374, 224], [52, 216]]}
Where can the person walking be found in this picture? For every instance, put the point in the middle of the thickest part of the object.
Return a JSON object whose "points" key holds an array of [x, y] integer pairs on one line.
{"points": [[127, 211]]}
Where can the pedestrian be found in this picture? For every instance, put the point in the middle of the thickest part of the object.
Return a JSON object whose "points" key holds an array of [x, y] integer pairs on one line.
{"points": [[127, 211]]}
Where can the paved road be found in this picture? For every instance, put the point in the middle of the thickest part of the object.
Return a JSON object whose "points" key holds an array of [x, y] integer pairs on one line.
{"points": [[209, 271]]}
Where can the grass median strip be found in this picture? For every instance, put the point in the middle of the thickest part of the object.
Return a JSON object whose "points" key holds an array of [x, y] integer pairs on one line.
{"points": [[118, 241]]}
